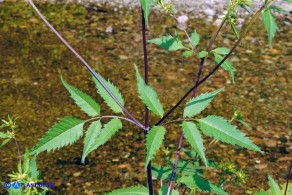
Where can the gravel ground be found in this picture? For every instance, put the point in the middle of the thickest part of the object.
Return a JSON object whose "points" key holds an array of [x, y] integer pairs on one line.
{"points": [[209, 6], [185, 5]]}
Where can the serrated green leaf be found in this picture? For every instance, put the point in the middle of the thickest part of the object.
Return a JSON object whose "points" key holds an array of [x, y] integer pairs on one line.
{"points": [[187, 53], [202, 54], [91, 134], [198, 104], [274, 186], [195, 38], [3, 135], [164, 189], [106, 133], [226, 65], [221, 50], [202, 184], [146, 6], [270, 25], [220, 129], [25, 164], [5, 142], [154, 140], [148, 95], [84, 101], [107, 98], [33, 171], [168, 43], [130, 191], [66, 132], [194, 137]]}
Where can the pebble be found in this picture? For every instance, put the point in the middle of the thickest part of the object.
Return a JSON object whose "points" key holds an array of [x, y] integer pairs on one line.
{"points": [[109, 29]]}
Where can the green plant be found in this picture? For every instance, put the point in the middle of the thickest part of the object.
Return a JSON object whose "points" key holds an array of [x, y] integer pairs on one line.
{"points": [[187, 173], [27, 175]]}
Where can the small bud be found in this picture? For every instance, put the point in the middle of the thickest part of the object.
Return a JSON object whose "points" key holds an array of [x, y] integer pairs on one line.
{"points": [[182, 19]]}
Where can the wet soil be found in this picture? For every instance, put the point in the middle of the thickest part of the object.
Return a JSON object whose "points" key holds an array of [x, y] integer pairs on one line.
{"points": [[32, 61]]}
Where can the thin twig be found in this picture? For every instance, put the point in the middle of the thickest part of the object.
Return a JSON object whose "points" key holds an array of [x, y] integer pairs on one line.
{"points": [[86, 65], [18, 151]]}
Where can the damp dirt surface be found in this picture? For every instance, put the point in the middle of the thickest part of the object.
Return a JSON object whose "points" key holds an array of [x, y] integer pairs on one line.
{"points": [[32, 60]]}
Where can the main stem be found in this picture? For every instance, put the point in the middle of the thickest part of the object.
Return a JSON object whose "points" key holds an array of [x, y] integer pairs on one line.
{"points": [[86, 65], [149, 170]]}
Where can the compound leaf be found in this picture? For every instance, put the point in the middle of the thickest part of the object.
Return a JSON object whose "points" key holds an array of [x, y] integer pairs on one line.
{"points": [[270, 25], [66, 132], [220, 129], [106, 133], [91, 134], [107, 98], [148, 96], [154, 140], [84, 101], [130, 191], [168, 43], [194, 137], [198, 104]]}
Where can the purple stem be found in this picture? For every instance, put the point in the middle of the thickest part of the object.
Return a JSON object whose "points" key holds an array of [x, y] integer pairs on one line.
{"points": [[182, 135], [86, 65], [18, 151], [149, 167]]}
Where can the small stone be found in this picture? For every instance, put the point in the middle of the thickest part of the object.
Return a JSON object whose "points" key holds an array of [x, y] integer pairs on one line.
{"points": [[271, 143], [261, 166], [209, 12], [109, 29], [258, 161], [77, 174]]}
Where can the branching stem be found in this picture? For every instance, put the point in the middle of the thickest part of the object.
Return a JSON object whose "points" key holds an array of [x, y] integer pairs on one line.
{"points": [[199, 82]]}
